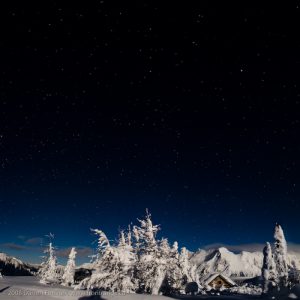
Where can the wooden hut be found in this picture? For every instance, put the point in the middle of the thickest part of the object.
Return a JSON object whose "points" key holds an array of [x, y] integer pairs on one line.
{"points": [[218, 281]]}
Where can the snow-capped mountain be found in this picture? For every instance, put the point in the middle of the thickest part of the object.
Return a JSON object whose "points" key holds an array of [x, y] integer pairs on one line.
{"points": [[11, 266], [221, 260], [244, 264]]}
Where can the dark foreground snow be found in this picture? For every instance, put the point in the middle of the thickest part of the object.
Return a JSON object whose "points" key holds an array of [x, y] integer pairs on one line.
{"points": [[28, 287]]}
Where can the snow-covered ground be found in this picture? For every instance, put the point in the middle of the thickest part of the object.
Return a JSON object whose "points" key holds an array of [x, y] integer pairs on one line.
{"points": [[19, 287]]}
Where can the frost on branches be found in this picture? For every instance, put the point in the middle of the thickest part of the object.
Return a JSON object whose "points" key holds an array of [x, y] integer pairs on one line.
{"points": [[275, 266], [114, 265], [139, 262], [161, 269], [188, 272], [158, 266], [69, 272], [150, 272], [268, 269], [49, 272], [280, 257]]}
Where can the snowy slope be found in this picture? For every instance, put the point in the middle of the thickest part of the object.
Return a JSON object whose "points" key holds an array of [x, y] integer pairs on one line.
{"points": [[245, 264], [11, 266], [29, 288]]}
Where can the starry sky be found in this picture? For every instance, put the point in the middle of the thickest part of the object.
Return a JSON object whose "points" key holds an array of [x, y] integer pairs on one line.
{"points": [[190, 110]]}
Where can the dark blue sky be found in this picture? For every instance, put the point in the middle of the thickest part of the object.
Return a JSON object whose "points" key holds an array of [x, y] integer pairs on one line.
{"points": [[195, 214], [190, 111]]}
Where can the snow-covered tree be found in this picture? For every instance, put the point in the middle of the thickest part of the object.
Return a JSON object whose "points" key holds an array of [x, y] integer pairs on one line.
{"points": [[102, 244], [69, 272], [125, 265], [138, 262], [158, 266], [162, 265], [129, 236], [280, 257], [185, 266], [174, 280], [49, 272], [122, 239], [268, 268], [149, 271], [145, 234], [114, 266]]}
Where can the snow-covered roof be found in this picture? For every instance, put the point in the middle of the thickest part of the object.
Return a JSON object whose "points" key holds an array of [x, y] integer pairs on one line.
{"points": [[208, 279]]}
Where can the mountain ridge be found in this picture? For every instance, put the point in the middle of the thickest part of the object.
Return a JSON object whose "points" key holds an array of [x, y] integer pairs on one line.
{"points": [[242, 264], [11, 266]]}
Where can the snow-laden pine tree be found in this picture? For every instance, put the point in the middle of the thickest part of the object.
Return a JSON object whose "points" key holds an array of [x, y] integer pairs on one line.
{"points": [[103, 247], [102, 244], [174, 274], [149, 271], [125, 265], [162, 265], [114, 266], [158, 266], [69, 272], [145, 234], [186, 269], [143, 264], [280, 257], [173, 281], [48, 272], [268, 268]]}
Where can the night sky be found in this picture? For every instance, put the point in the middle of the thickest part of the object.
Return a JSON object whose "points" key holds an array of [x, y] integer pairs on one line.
{"points": [[190, 110]]}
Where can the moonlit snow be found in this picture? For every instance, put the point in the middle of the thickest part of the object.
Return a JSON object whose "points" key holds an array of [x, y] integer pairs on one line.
{"points": [[139, 264], [29, 288]]}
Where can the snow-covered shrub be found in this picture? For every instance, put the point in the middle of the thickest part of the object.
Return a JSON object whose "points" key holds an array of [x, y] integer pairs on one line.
{"points": [[49, 272], [246, 289], [69, 271]]}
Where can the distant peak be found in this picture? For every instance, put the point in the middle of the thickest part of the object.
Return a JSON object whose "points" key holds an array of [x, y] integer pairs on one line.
{"points": [[223, 250]]}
